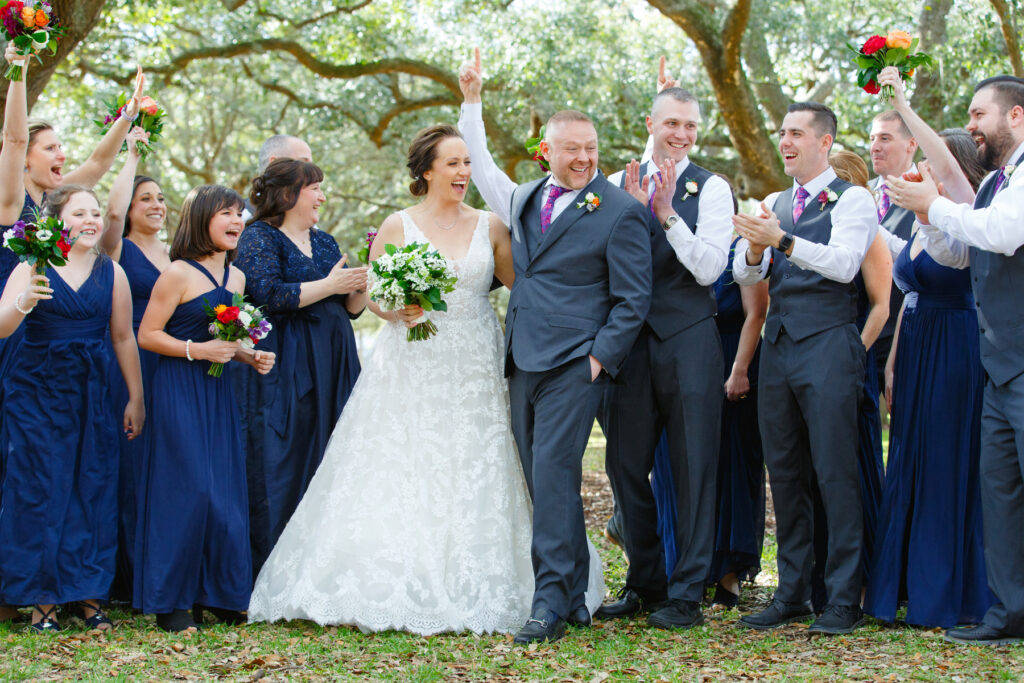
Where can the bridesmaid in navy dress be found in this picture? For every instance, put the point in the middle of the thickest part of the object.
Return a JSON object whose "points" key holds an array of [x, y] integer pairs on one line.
{"points": [[929, 540], [191, 543], [739, 532], [135, 218], [297, 274], [58, 522], [873, 289]]}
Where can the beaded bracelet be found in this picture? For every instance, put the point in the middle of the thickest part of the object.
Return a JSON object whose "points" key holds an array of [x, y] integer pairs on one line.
{"points": [[18, 302], [187, 354]]}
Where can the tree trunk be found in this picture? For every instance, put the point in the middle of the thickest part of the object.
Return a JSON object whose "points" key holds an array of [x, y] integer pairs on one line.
{"points": [[719, 44], [1010, 36], [929, 96], [78, 17]]}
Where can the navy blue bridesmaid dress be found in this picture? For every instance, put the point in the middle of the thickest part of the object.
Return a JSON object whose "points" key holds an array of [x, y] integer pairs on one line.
{"points": [[191, 542], [58, 522], [870, 470], [142, 275], [288, 415], [739, 529], [928, 548]]}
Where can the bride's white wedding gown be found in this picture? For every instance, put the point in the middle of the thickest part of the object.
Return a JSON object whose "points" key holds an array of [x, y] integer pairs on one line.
{"points": [[418, 518]]}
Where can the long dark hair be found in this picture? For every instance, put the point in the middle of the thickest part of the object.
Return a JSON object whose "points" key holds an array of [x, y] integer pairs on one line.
{"points": [[965, 151], [275, 192], [192, 239], [139, 180]]}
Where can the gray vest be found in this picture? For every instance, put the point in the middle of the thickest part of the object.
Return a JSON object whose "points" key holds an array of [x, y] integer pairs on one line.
{"points": [[998, 282], [804, 302], [900, 222], [677, 300]]}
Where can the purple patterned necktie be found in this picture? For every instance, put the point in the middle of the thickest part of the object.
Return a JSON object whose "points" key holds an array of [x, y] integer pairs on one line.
{"points": [[650, 200], [801, 199], [554, 192], [1000, 179], [883, 202]]}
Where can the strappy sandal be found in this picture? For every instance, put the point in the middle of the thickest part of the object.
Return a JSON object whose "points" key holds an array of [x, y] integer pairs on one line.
{"points": [[48, 622], [98, 619]]}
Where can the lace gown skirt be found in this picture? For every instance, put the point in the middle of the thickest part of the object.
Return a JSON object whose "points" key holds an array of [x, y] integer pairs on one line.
{"points": [[418, 518]]}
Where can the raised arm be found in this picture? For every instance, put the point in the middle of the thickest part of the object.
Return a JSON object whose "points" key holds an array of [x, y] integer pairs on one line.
{"points": [[12, 155], [495, 187], [944, 165], [121, 198], [102, 158]]}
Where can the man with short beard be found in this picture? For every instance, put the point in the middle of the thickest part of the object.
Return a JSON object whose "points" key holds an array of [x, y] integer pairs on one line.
{"points": [[989, 236]]}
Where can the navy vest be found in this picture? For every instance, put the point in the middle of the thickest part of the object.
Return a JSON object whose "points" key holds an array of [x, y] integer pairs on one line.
{"points": [[998, 282], [677, 300], [803, 302]]}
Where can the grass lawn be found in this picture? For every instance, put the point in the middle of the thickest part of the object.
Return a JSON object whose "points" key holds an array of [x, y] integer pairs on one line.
{"points": [[622, 650]]}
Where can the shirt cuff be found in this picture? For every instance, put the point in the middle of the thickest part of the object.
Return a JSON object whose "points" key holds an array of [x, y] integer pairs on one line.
{"points": [[472, 109], [940, 208], [679, 235]]}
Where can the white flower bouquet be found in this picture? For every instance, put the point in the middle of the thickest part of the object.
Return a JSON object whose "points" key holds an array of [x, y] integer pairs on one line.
{"points": [[412, 275]]}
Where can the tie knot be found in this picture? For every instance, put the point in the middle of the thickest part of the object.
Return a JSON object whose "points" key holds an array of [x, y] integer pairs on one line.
{"points": [[556, 191], [802, 194]]}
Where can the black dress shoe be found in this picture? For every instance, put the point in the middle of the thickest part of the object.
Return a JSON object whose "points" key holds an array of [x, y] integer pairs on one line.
{"points": [[680, 614], [778, 613], [613, 532], [628, 604], [579, 617], [837, 619], [982, 634], [542, 625]]}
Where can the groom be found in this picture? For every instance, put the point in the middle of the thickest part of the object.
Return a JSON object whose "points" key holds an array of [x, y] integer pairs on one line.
{"points": [[583, 282]]}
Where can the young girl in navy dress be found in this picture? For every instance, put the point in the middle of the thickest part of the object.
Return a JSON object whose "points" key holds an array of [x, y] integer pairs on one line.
{"points": [[58, 522], [192, 536]]}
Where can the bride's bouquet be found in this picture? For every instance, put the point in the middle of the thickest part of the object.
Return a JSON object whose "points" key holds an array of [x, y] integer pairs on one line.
{"points": [[412, 275]]}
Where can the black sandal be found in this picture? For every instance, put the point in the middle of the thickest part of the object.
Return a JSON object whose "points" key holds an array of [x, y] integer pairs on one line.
{"points": [[725, 597], [229, 617], [176, 621], [48, 622], [98, 618]]}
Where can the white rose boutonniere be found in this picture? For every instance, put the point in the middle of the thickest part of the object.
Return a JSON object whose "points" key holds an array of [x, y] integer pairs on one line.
{"points": [[691, 188], [592, 201]]}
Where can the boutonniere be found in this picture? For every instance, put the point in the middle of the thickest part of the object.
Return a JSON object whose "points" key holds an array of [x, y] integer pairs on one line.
{"points": [[827, 196], [691, 188], [1009, 169], [592, 201]]}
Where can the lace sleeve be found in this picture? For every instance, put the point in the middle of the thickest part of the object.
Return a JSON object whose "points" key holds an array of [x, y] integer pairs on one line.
{"points": [[260, 258]]}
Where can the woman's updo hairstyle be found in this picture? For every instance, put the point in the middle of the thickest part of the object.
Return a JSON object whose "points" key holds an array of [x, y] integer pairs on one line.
{"points": [[57, 199], [423, 152], [275, 192]]}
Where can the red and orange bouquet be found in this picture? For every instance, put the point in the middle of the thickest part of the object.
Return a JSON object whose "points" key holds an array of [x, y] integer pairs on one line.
{"points": [[32, 27], [532, 146], [239, 321], [151, 119], [896, 48], [44, 242]]}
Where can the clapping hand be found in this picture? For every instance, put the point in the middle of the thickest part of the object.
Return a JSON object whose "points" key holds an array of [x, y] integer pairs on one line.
{"points": [[347, 280], [761, 231], [914, 196], [664, 187], [635, 185], [471, 80], [664, 81]]}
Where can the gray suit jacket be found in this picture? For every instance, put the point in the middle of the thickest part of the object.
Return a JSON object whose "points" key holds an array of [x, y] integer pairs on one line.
{"points": [[583, 287]]}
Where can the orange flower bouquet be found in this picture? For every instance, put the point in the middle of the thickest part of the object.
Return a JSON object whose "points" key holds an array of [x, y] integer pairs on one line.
{"points": [[32, 28], [893, 49]]}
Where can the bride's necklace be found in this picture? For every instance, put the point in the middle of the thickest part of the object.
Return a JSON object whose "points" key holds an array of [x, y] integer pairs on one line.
{"points": [[450, 225]]}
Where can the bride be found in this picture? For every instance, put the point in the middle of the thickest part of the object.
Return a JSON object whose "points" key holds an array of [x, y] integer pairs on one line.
{"points": [[419, 517]]}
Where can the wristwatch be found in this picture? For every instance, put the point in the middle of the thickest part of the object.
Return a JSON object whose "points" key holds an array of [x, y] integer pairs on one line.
{"points": [[785, 242], [670, 221]]}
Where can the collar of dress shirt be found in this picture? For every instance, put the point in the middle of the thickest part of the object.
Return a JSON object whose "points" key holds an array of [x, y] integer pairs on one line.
{"points": [[1016, 155], [817, 184], [681, 166], [568, 192], [878, 180]]}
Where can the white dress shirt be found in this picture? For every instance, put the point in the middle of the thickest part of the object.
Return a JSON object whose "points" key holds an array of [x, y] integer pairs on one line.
{"points": [[495, 187], [957, 227], [854, 224], [892, 241], [704, 253]]}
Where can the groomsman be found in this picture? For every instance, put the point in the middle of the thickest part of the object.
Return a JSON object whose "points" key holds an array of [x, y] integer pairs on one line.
{"points": [[582, 288], [988, 237], [892, 152], [811, 240], [672, 378]]}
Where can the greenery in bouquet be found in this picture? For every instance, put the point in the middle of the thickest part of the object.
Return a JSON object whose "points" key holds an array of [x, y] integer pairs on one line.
{"points": [[151, 119], [533, 147], [896, 48], [32, 27], [241, 321], [412, 275], [44, 242]]}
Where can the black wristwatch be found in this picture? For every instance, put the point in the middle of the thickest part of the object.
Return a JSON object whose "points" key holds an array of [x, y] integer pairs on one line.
{"points": [[785, 242]]}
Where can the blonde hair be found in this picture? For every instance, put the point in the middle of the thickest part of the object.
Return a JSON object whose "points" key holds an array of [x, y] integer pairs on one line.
{"points": [[850, 167]]}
